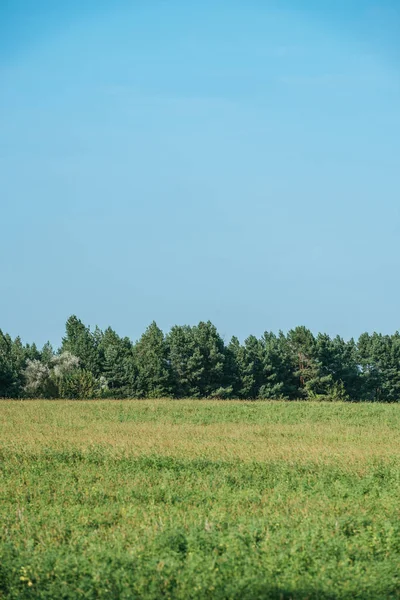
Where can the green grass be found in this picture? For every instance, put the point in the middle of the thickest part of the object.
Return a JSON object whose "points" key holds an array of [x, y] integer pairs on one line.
{"points": [[199, 499]]}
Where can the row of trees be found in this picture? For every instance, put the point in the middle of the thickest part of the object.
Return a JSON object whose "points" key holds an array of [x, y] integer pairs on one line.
{"points": [[194, 362]]}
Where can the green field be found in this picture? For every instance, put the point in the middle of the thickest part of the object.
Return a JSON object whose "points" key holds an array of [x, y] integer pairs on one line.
{"points": [[199, 499]]}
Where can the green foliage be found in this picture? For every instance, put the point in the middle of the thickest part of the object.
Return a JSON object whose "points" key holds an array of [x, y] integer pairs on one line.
{"points": [[278, 378], [84, 344], [77, 384], [84, 520], [249, 366], [222, 393], [212, 352], [38, 380], [197, 360], [194, 362], [7, 371], [152, 369], [186, 361], [46, 378], [379, 360], [47, 354], [13, 359], [117, 360]]}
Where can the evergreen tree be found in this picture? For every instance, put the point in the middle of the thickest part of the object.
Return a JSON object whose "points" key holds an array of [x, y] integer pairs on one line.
{"points": [[390, 365], [13, 359], [194, 362], [78, 384], [7, 381], [248, 377], [186, 362], [47, 353], [370, 372], [278, 379], [338, 366], [233, 376], [211, 348], [153, 375], [379, 358], [84, 344], [116, 355], [312, 380]]}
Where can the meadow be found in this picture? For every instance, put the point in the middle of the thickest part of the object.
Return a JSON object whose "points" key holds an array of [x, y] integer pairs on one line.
{"points": [[199, 499]]}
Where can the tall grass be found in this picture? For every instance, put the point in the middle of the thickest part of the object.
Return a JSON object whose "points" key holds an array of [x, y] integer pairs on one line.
{"points": [[199, 499]]}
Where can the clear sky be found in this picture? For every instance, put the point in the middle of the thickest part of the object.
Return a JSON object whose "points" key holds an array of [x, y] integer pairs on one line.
{"points": [[184, 161]]}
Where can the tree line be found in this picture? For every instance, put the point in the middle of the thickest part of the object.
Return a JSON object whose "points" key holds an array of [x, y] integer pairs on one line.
{"points": [[195, 362]]}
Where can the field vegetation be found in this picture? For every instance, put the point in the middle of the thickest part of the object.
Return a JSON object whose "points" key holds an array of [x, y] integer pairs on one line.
{"points": [[199, 499]]}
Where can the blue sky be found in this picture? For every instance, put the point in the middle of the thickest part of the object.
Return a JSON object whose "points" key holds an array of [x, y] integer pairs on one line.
{"points": [[233, 161]]}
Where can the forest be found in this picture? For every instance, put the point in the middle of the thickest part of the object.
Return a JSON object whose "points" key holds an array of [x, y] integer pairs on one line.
{"points": [[195, 362]]}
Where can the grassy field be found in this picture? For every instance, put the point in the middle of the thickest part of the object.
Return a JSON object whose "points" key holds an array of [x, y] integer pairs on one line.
{"points": [[199, 499]]}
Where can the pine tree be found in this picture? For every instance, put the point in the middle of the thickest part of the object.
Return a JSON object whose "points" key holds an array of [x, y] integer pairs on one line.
{"points": [[210, 347], [391, 368], [153, 375], [278, 379], [338, 365], [370, 372], [248, 377], [116, 355], [312, 381], [84, 344], [78, 384], [13, 359], [379, 358], [47, 353], [186, 362], [7, 382], [232, 372]]}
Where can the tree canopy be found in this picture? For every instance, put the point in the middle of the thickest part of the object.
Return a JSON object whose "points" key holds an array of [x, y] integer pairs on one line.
{"points": [[195, 362]]}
